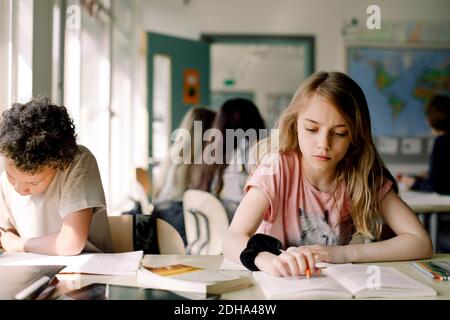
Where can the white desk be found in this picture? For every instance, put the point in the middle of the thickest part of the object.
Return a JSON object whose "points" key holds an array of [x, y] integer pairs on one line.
{"points": [[254, 292], [427, 203]]}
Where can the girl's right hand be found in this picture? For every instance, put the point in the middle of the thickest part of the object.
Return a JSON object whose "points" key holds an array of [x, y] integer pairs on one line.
{"points": [[294, 261]]}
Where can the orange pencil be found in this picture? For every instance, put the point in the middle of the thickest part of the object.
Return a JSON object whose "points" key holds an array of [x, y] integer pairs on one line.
{"points": [[436, 275], [308, 273]]}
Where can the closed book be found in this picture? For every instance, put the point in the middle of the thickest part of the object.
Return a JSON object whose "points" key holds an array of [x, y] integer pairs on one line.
{"points": [[345, 281], [184, 278]]}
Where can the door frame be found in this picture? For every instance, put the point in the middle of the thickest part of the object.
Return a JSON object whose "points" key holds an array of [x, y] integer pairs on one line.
{"points": [[308, 40]]}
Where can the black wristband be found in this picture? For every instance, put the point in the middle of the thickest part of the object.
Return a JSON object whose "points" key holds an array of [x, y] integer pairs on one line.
{"points": [[256, 244], [247, 257]]}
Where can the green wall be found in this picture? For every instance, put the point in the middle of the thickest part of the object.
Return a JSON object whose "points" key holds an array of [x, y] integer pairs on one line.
{"points": [[184, 54]]}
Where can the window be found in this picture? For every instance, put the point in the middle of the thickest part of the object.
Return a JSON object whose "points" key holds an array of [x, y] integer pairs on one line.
{"points": [[16, 45], [121, 108], [161, 110], [104, 80], [99, 90], [5, 44], [22, 39], [94, 127], [72, 66], [87, 83]]}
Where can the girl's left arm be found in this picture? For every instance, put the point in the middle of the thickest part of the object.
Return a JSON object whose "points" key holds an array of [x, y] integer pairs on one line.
{"points": [[411, 241]]}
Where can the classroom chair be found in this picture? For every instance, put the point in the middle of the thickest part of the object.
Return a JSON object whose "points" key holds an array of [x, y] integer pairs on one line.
{"points": [[143, 179], [205, 222], [136, 232], [141, 190]]}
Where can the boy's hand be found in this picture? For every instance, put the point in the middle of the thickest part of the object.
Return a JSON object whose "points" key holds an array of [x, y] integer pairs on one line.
{"points": [[11, 242]]}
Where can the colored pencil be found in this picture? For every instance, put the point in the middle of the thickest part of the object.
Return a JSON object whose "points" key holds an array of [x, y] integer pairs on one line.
{"points": [[439, 270], [423, 271], [429, 271]]}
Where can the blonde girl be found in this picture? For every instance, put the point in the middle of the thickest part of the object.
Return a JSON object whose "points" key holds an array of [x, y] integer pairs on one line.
{"points": [[325, 183], [177, 176]]}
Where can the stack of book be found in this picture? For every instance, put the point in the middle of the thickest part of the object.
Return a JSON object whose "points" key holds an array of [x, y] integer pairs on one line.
{"points": [[185, 278], [437, 270]]}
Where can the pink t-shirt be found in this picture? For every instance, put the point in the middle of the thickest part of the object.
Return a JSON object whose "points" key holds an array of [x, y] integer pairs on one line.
{"points": [[299, 214]]}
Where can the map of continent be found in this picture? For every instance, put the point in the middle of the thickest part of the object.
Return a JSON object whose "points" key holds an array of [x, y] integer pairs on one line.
{"points": [[398, 83]]}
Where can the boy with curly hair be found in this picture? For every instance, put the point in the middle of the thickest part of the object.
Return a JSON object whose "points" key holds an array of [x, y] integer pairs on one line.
{"points": [[51, 195]]}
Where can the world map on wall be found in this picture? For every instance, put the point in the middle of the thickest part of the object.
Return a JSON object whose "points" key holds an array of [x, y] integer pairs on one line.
{"points": [[398, 83]]}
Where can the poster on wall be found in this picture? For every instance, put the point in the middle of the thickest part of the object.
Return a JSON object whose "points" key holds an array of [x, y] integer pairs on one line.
{"points": [[191, 86], [398, 83]]}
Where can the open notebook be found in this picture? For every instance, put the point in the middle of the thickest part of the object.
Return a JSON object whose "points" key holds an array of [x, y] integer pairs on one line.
{"points": [[117, 264], [344, 281]]}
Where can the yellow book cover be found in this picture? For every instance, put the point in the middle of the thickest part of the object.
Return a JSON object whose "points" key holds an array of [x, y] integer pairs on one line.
{"points": [[181, 277], [173, 269]]}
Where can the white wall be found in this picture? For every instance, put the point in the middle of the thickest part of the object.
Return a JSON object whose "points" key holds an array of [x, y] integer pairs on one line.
{"points": [[264, 70], [321, 18], [4, 56]]}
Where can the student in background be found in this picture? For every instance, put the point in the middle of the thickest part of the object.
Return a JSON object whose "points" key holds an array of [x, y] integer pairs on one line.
{"points": [[226, 178], [51, 196], [438, 178], [325, 181], [175, 178]]}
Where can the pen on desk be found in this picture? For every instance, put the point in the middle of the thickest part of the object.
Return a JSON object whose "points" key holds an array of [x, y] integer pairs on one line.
{"points": [[423, 271]]}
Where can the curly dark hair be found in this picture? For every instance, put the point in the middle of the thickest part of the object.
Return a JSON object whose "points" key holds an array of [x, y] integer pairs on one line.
{"points": [[38, 134]]}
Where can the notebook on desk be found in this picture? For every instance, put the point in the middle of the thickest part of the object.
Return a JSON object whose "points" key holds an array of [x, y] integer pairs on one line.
{"points": [[25, 282], [115, 264], [345, 281]]}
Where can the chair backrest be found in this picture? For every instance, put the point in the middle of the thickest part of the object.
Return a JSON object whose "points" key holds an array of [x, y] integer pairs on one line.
{"points": [[205, 221], [124, 230], [143, 179], [141, 190]]}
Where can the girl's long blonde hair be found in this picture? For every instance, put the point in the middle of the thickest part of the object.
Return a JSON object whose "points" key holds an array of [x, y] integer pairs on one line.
{"points": [[361, 168], [186, 173]]}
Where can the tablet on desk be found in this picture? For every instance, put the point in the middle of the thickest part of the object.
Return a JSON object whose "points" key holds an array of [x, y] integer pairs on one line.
{"points": [[25, 282], [101, 291]]}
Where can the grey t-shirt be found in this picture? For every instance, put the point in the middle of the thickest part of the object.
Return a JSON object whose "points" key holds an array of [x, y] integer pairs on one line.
{"points": [[76, 188]]}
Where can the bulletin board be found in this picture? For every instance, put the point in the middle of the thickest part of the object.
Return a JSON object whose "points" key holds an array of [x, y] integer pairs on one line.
{"points": [[191, 86]]}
